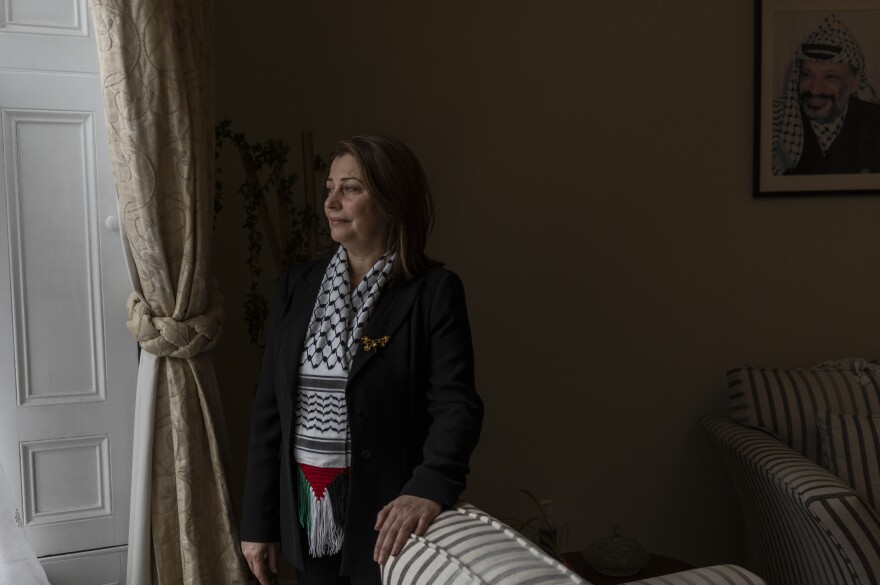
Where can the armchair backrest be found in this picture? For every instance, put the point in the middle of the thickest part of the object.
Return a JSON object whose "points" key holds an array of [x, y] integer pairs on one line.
{"points": [[466, 546], [788, 402]]}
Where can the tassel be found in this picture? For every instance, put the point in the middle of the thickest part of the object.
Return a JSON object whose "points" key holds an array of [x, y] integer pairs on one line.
{"points": [[325, 538], [337, 491], [304, 500], [322, 517]]}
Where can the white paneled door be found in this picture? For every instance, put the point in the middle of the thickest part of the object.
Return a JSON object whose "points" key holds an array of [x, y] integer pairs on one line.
{"points": [[68, 366]]}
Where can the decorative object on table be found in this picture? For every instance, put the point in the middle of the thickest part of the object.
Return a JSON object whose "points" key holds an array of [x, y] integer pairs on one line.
{"points": [[541, 529], [817, 106], [617, 556]]}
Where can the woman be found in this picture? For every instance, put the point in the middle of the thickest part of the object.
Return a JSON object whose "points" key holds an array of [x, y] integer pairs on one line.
{"points": [[366, 412]]}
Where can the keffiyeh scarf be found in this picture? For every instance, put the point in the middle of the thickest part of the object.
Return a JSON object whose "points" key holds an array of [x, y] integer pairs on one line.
{"points": [[827, 133], [322, 444], [830, 43]]}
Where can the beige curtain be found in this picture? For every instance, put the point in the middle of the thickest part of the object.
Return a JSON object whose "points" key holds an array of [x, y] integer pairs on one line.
{"points": [[157, 78]]}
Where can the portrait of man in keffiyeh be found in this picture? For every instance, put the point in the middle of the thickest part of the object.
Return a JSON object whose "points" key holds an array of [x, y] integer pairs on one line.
{"points": [[828, 120]]}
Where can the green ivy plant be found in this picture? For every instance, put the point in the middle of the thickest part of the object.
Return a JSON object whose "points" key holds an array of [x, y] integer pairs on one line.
{"points": [[291, 226]]}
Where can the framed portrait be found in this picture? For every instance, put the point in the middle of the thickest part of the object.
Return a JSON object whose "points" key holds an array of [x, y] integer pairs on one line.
{"points": [[817, 111]]}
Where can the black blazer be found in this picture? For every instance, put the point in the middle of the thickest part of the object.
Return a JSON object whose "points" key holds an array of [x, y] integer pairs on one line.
{"points": [[413, 411]]}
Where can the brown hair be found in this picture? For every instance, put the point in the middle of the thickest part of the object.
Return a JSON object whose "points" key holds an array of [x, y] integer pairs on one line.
{"points": [[397, 183]]}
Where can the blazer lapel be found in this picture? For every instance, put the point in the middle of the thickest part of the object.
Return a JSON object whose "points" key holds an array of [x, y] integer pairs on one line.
{"points": [[393, 307], [296, 322]]}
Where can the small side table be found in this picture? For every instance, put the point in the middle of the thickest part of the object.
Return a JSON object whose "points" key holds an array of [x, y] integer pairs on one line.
{"points": [[656, 567]]}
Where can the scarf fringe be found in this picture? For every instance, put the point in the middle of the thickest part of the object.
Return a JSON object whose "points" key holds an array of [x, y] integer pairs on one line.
{"points": [[337, 493], [323, 518]]}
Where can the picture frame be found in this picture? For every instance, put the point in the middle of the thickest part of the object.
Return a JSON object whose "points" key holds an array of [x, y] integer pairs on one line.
{"points": [[808, 140]]}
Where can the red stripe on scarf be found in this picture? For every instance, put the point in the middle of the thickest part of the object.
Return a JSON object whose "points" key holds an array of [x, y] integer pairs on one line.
{"points": [[320, 477]]}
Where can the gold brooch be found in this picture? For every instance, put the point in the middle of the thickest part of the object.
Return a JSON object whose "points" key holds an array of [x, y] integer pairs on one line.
{"points": [[371, 343]]}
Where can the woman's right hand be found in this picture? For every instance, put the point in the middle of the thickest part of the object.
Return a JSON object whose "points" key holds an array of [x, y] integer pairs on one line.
{"points": [[262, 558]]}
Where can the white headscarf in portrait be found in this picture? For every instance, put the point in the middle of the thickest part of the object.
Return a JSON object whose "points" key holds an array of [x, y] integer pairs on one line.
{"points": [[830, 43]]}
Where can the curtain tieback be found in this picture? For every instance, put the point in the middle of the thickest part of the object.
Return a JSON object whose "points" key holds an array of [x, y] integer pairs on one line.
{"points": [[168, 337]]}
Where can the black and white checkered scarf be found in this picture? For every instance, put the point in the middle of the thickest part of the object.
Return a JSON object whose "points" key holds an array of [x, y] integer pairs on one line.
{"points": [[322, 445], [338, 319]]}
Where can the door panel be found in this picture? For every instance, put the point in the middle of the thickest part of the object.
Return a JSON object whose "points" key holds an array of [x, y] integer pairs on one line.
{"points": [[68, 366], [103, 567], [52, 250], [45, 15], [47, 35]]}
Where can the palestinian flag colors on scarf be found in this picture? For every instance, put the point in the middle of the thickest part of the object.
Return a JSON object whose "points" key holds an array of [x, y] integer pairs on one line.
{"points": [[322, 496]]}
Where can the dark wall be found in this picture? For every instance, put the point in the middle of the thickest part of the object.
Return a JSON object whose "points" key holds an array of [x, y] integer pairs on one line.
{"points": [[591, 163]]}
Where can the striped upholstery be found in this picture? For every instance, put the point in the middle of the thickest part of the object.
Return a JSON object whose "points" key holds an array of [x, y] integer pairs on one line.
{"points": [[851, 451], [804, 525], [466, 546], [788, 402], [721, 574]]}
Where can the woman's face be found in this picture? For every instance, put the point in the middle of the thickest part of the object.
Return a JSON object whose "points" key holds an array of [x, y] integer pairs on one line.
{"points": [[355, 221]]}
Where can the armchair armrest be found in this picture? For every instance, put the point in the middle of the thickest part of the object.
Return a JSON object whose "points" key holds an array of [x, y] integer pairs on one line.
{"points": [[803, 524], [466, 546], [717, 575]]}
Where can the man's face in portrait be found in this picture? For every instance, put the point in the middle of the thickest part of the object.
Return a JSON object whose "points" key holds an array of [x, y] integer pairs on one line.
{"points": [[824, 89]]}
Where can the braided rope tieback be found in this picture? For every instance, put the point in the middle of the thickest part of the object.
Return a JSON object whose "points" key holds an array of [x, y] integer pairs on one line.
{"points": [[166, 337]]}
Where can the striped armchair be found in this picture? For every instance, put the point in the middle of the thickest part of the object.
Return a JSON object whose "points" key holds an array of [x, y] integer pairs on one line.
{"points": [[804, 524], [466, 546]]}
